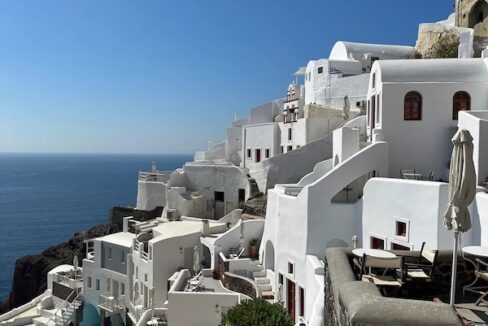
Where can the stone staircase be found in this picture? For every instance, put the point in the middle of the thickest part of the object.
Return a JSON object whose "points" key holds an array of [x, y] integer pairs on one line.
{"points": [[263, 283], [63, 315], [254, 187]]}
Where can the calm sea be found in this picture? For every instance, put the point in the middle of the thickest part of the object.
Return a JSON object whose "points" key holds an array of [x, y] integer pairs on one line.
{"points": [[46, 198]]}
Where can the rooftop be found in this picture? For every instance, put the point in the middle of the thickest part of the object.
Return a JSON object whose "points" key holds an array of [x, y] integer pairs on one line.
{"points": [[120, 238]]}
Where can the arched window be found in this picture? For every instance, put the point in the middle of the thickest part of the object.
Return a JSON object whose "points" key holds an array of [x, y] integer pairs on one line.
{"points": [[461, 101], [412, 106]]}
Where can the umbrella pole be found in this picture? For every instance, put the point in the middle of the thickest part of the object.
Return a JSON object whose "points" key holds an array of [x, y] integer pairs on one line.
{"points": [[454, 268]]}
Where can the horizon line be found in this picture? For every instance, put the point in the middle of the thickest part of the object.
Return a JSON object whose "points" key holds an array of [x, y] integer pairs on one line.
{"points": [[94, 153]]}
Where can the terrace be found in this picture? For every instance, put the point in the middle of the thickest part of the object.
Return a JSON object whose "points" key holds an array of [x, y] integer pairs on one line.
{"points": [[352, 299]]}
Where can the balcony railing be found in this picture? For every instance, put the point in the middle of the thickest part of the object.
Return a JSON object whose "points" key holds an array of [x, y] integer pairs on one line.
{"points": [[139, 247], [135, 311], [158, 176], [110, 303]]}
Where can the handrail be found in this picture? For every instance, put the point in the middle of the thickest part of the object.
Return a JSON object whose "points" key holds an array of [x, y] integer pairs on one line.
{"points": [[62, 305]]}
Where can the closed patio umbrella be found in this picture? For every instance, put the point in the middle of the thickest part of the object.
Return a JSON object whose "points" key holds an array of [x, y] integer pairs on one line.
{"points": [[196, 260], [462, 189]]}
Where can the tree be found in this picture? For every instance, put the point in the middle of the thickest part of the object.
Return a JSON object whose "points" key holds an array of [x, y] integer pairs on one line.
{"points": [[446, 47], [256, 312]]}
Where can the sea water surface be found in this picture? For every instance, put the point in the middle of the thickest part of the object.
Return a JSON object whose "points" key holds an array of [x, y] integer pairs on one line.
{"points": [[46, 198]]}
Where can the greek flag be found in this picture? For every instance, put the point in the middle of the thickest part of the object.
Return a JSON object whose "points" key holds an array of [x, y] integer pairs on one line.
{"points": [[334, 71]]}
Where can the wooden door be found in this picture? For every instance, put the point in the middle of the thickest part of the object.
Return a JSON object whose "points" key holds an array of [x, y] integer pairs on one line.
{"points": [[290, 298]]}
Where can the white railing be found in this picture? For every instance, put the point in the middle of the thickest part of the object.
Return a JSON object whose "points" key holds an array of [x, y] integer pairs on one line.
{"points": [[158, 176], [63, 308], [72, 283], [135, 311], [110, 303]]}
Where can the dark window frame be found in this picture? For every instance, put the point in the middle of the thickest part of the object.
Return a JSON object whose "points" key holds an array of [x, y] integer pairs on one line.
{"points": [[459, 98], [412, 106]]}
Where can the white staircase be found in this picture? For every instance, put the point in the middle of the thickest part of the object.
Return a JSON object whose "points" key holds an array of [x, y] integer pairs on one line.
{"points": [[263, 283], [67, 313]]}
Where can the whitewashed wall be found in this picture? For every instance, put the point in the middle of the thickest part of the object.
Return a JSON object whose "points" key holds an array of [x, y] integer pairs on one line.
{"points": [[476, 122]]}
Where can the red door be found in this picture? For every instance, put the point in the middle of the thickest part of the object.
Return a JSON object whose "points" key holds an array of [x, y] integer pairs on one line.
{"points": [[290, 298]]}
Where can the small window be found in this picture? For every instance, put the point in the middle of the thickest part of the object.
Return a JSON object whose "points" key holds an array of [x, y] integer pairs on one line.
{"points": [[373, 81], [123, 257], [289, 148], [122, 288], [412, 106], [282, 149], [290, 268], [377, 243], [289, 133], [302, 302], [280, 278], [396, 246], [98, 285], [461, 101], [150, 252], [258, 156], [145, 277], [266, 153], [377, 110], [88, 282], [219, 196], [242, 195], [401, 229], [249, 153], [109, 253], [320, 70]]}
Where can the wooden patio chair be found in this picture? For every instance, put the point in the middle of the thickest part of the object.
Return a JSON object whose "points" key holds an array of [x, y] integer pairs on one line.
{"points": [[423, 268], [386, 280]]}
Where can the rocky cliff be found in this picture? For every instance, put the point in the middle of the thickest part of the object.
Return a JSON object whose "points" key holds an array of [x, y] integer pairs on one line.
{"points": [[30, 274]]}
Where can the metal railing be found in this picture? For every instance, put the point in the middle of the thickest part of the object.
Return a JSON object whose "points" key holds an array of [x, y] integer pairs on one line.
{"points": [[63, 307], [136, 312], [111, 303], [158, 176]]}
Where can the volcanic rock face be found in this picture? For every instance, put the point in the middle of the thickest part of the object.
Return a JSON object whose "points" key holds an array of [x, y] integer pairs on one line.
{"points": [[30, 275]]}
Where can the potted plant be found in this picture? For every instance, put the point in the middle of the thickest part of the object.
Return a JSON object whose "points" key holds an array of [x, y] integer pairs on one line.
{"points": [[253, 248]]}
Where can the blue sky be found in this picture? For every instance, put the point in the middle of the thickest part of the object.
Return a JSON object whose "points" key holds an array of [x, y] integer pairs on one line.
{"points": [[166, 76]]}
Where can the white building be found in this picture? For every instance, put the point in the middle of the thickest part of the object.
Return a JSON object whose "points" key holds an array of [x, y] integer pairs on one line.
{"points": [[105, 275], [401, 131]]}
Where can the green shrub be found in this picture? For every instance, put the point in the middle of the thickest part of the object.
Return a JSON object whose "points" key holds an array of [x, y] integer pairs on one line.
{"points": [[256, 313], [446, 47]]}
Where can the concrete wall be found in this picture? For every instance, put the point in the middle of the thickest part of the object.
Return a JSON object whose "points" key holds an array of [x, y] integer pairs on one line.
{"points": [[481, 202], [291, 167], [309, 223], [206, 179], [266, 112], [423, 145], [476, 122], [150, 194], [233, 145], [262, 136], [419, 204], [168, 256], [199, 308], [114, 257]]}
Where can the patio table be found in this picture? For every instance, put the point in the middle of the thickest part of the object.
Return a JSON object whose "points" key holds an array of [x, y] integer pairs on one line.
{"points": [[378, 253]]}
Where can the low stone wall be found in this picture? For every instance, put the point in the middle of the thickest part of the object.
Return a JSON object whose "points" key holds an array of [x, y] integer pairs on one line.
{"points": [[117, 214], [239, 284], [236, 282], [352, 302]]}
